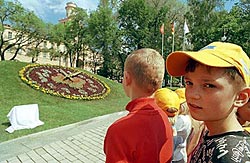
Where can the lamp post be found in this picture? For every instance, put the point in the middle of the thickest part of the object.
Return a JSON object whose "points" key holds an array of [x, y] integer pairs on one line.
{"points": [[223, 38]]}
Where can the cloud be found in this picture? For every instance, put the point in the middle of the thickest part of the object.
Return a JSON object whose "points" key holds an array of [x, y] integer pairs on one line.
{"points": [[87, 4], [53, 10], [34, 6]]}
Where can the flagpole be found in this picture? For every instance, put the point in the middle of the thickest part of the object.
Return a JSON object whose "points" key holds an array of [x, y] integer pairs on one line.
{"points": [[171, 78], [173, 44], [183, 46], [184, 35], [185, 31], [162, 37], [162, 43]]}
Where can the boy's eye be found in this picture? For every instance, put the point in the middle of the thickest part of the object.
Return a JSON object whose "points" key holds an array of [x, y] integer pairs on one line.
{"points": [[188, 83], [209, 86]]}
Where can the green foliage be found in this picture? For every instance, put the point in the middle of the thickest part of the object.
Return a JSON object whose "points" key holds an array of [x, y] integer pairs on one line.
{"points": [[210, 22], [105, 40], [238, 25], [73, 38], [202, 15], [27, 28], [139, 23], [54, 111]]}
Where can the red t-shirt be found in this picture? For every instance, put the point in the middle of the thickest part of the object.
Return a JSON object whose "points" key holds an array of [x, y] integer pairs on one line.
{"points": [[143, 136]]}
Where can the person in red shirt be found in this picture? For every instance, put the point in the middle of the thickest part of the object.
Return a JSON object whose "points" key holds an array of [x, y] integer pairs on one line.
{"points": [[145, 134]]}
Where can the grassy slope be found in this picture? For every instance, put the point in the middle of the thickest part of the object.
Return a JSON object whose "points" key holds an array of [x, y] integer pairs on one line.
{"points": [[54, 111]]}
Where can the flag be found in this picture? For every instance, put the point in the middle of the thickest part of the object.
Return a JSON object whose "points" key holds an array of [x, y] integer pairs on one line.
{"points": [[172, 27], [186, 30], [162, 29]]}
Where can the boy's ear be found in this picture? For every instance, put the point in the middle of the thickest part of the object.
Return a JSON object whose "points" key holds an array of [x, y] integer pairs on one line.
{"points": [[242, 97], [127, 77]]}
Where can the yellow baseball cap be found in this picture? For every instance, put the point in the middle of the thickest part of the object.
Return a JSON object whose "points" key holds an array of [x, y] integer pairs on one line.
{"points": [[181, 93], [216, 54], [247, 128], [166, 98]]}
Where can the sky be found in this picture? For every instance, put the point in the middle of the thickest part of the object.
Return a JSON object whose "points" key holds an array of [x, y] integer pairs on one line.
{"points": [[51, 11]]}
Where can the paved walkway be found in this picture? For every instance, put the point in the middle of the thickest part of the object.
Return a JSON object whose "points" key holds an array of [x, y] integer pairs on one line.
{"points": [[79, 142]]}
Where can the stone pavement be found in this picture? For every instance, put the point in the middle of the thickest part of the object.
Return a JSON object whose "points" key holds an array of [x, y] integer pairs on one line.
{"points": [[79, 142]]}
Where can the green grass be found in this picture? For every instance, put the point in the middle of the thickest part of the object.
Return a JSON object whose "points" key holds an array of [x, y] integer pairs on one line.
{"points": [[54, 111]]}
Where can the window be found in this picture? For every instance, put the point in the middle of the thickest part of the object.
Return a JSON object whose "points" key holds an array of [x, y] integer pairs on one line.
{"points": [[9, 35]]}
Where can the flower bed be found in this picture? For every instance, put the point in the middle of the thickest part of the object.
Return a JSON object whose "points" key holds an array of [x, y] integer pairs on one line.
{"points": [[64, 82]]}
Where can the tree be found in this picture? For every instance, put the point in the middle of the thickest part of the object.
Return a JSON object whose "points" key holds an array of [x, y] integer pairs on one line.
{"points": [[140, 21], [56, 35], [203, 18], [27, 28], [207, 25], [72, 35], [78, 24], [238, 25], [7, 9], [32, 32], [105, 40], [135, 22]]}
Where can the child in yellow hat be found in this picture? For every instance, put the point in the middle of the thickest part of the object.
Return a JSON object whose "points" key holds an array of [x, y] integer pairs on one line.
{"points": [[169, 102], [217, 84]]}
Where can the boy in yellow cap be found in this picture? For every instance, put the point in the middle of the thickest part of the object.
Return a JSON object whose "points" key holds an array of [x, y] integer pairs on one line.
{"points": [[217, 84], [145, 134], [169, 102]]}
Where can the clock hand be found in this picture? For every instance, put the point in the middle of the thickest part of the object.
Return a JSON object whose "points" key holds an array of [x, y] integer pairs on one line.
{"points": [[63, 72], [74, 74], [69, 76]]}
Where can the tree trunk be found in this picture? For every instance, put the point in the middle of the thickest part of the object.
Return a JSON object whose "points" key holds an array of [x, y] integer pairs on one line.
{"points": [[15, 54]]}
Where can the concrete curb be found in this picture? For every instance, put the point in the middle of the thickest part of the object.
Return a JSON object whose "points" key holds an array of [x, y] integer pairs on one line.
{"points": [[15, 147]]}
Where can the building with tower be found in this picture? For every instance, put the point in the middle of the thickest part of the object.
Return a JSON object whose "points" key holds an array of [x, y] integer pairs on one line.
{"points": [[89, 61], [70, 6]]}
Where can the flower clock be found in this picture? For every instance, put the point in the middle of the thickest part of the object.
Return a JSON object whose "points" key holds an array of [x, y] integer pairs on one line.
{"points": [[64, 82]]}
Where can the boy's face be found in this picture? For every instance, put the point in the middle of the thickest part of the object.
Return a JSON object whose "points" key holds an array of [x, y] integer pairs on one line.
{"points": [[209, 93]]}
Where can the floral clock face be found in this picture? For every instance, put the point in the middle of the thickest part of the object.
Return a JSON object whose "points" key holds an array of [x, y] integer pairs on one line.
{"points": [[63, 81]]}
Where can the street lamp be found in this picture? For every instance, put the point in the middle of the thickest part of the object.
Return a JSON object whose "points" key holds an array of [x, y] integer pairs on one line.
{"points": [[223, 38]]}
